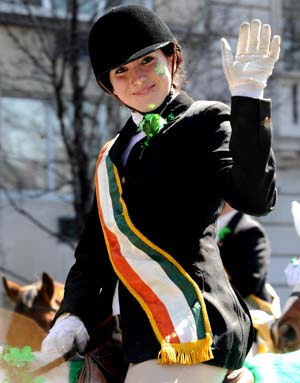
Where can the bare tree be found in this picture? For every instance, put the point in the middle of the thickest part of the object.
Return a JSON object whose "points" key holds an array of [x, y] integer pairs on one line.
{"points": [[199, 25], [54, 47]]}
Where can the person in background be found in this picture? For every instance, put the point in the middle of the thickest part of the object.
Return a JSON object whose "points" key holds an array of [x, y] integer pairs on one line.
{"points": [[245, 250], [160, 184]]}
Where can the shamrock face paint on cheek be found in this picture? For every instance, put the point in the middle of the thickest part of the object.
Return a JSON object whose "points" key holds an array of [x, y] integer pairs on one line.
{"points": [[160, 69]]}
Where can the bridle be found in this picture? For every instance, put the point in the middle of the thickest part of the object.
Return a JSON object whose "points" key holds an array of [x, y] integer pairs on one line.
{"points": [[26, 303], [22, 307], [33, 312]]}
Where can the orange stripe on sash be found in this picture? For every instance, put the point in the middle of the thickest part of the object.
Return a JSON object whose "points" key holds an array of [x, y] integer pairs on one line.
{"points": [[158, 311]]}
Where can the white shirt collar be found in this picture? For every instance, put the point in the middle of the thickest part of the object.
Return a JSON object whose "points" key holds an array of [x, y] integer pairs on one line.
{"points": [[137, 117]]}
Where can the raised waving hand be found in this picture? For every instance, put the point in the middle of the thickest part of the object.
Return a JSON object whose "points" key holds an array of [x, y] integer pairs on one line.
{"points": [[248, 71]]}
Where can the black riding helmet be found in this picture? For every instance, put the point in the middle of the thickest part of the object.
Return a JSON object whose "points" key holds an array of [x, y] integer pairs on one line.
{"points": [[123, 34]]}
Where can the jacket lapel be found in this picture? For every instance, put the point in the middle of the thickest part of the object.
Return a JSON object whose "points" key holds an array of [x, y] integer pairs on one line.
{"points": [[179, 105], [234, 221], [121, 143]]}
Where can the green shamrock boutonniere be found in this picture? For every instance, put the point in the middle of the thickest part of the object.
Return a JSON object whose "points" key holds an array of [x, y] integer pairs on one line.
{"points": [[292, 271], [295, 261], [151, 125], [15, 362], [171, 117], [223, 232]]}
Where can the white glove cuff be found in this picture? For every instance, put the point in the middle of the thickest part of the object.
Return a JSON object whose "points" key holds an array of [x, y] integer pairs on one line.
{"points": [[247, 90], [62, 316], [66, 330]]}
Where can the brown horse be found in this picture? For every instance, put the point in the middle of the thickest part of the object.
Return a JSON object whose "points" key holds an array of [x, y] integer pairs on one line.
{"points": [[34, 308], [285, 331]]}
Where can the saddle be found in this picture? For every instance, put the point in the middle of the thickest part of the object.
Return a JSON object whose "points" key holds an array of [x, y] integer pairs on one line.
{"points": [[104, 363]]}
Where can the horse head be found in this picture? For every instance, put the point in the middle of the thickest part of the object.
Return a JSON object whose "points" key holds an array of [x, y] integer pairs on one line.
{"points": [[285, 331], [34, 308]]}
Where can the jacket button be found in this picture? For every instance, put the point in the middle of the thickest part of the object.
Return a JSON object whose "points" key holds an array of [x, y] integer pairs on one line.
{"points": [[266, 122]]}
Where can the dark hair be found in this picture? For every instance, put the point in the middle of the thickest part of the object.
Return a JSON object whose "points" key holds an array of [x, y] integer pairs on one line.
{"points": [[179, 75]]}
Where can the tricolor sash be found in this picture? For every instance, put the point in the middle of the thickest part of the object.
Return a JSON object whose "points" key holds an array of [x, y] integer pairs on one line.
{"points": [[169, 296]]}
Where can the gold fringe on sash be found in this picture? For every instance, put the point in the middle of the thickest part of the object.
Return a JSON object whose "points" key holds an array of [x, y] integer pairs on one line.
{"points": [[186, 353]]}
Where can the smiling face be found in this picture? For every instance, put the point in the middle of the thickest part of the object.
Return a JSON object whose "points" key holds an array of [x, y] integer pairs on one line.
{"points": [[143, 84]]}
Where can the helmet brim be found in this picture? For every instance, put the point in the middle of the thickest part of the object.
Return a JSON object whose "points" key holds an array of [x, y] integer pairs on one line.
{"points": [[136, 55]]}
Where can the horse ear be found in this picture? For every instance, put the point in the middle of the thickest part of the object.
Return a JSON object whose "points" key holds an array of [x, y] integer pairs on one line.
{"points": [[12, 289], [47, 289]]}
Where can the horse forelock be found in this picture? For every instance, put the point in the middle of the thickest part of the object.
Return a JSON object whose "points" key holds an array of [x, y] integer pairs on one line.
{"points": [[28, 295]]}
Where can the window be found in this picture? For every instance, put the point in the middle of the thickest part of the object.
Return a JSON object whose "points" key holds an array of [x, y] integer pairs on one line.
{"points": [[291, 34], [67, 227], [295, 103], [20, 2], [86, 7], [22, 144], [32, 152], [49, 8], [114, 3]]}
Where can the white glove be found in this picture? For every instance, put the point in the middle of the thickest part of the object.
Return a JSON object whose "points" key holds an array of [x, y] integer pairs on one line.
{"points": [[64, 334], [247, 73]]}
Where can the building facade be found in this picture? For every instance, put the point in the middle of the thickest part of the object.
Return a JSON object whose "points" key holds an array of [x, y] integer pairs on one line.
{"points": [[35, 195]]}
